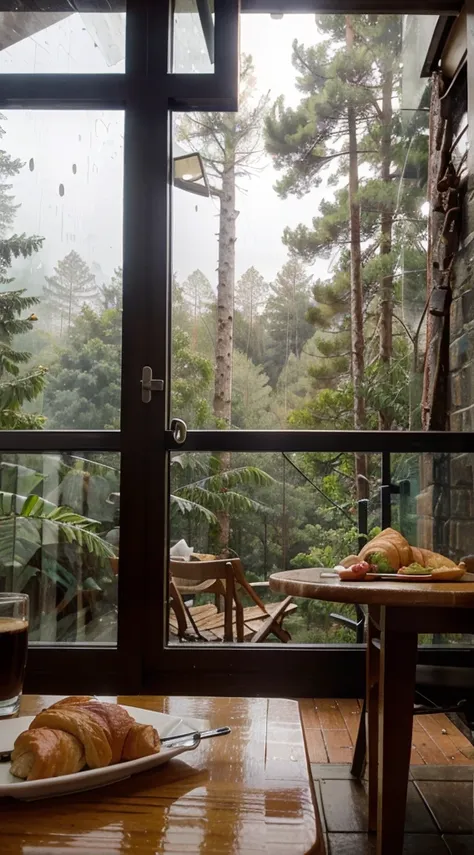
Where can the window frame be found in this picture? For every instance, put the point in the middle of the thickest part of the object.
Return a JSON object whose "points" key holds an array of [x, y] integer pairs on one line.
{"points": [[148, 92]]}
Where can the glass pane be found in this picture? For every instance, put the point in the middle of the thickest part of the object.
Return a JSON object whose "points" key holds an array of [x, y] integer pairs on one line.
{"points": [[62, 42], [61, 203], [418, 31], [433, 510], [193, 37], [59, 538], [274, 512], [262, 279]]}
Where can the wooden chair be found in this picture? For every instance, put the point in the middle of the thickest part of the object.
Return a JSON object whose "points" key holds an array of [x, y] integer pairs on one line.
{"points": [[192, 585], [254, 623], [210, 577]]}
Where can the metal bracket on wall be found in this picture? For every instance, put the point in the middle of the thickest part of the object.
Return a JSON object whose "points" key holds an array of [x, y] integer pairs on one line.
{"points": [[149, 384]]}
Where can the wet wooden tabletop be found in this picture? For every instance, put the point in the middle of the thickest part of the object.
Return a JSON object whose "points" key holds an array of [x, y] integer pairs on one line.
{"points": [[308, 582], [242, 794]]}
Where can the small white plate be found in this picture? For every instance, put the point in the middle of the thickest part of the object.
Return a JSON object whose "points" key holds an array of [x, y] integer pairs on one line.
{"points": [[88, 779]]}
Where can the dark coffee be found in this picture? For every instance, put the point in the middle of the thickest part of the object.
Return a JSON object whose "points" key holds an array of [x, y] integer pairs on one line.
{"points": [[13, 650]]}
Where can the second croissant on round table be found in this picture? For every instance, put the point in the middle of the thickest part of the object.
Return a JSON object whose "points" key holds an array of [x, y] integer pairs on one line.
{"points": [[77, 732], [398, 552]]}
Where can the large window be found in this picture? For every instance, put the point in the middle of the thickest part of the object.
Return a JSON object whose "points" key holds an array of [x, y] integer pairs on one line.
{"points": [[213, 328]]}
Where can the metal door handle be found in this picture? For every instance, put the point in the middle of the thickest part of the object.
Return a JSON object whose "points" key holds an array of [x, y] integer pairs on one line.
{"points": [[149, 384], [180, 430]]}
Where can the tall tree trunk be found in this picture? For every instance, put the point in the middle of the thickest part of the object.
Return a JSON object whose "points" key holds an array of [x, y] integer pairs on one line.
{"points": [[69, 315], [225, 326], [249, 336], [195, 318], [357, 329], [386, 285]]}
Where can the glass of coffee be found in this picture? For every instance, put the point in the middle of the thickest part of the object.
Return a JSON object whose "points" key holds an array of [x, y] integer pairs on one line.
{"points": [[13, 650]]}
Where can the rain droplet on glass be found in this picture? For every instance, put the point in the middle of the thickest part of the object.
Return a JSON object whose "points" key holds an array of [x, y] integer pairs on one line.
{"points": [[74, 168], [31, 164], [61, 189]]}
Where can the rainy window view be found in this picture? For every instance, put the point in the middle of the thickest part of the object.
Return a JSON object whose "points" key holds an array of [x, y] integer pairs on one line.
{"points": [[61, 273], [61, 200], [62, 42], [59, 525], [300, 302], [265, 259], [193, 38]]}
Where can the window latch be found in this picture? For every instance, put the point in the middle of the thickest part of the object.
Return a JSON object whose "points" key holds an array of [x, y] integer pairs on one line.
{"points": [[180, 431], [149, 384]]}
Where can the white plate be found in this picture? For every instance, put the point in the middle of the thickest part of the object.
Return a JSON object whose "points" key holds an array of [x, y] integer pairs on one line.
{"points": [[166, 725]]}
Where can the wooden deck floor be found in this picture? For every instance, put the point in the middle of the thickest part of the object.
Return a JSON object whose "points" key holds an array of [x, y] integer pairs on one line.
{"points": [[330, 728]]}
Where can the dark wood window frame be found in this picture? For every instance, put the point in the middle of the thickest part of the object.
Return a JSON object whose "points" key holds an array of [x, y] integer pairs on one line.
{"points": [[142, 661]]}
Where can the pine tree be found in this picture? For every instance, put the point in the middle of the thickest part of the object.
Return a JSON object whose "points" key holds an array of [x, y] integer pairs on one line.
{"points": [[72, 285], [179, 307], [350, 105], [229, 144], [83, 392], [111, 295], [198, 296], [251, 291], [252, 396], [285, 316], [15, 388]]}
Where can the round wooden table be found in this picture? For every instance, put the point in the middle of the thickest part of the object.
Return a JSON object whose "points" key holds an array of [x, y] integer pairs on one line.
{"points": [[398, 611], [312, 584]]}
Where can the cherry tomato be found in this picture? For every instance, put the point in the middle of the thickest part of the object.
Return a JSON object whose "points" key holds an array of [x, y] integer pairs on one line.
{"points": [[359, 570], [345, 575]]}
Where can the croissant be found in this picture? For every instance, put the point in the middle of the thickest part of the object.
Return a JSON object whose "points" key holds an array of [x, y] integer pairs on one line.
{"points": [[78, 732], [391, 544], [141, 740], [398, 552], [46, 753], [435, 560]]}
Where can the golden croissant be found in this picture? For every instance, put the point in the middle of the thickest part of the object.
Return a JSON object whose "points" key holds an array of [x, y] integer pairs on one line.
{"points": [[78, 732], [398, 552]]}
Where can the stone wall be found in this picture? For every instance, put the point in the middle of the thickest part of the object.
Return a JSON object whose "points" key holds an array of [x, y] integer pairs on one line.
{"points": [[445, 504], [433, 503], [461, 350], [461, 363]]}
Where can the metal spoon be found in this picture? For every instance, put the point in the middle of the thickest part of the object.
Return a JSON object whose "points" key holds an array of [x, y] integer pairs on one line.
{"points": [[194, 735]]}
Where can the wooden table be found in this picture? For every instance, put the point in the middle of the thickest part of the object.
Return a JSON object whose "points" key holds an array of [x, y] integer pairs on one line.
{"points": [[398, 611], [243, 794]]}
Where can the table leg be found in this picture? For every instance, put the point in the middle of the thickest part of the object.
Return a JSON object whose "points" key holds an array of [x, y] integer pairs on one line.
{"points": [[398, 651], [239, 615], [228, 605], [372, 725]]}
